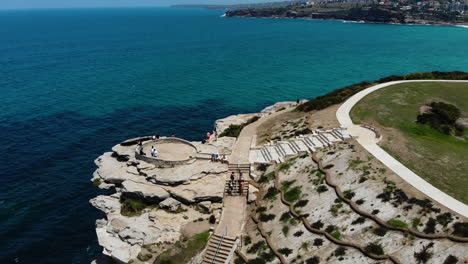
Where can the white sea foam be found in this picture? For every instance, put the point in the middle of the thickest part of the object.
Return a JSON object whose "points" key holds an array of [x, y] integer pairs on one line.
{"points": [[462, 26]]}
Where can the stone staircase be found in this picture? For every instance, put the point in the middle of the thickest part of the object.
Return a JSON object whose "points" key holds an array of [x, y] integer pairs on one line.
{"points": [[235, 190], [219, 250], [277, 152]]}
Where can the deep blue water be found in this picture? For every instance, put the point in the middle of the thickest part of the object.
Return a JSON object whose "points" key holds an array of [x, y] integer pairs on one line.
{"points": [[75, 82]]}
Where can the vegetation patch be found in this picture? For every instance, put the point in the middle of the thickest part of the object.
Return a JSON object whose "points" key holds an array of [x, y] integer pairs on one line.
{"points": [[322, 188], [285, 251], [313, 260], [266, 217], [293, 195], [397, 223], [374, 248], [131, 207], [318, 242], [271, 193], [285, 217], [341, 95], [266, 178], [451, 259], [460, 229], [424, 255], [380, 231], [234, 130], [97, 182], [184, 250], [442, 117]]}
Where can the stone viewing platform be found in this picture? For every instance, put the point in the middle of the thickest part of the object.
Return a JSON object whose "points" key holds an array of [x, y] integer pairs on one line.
{"points": [[171, 151]]}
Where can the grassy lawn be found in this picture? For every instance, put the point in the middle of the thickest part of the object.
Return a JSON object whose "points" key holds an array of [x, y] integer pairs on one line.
{"points": [[440, 159]]}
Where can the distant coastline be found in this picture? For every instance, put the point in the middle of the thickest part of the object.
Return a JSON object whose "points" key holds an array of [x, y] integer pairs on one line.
{"points": [[362, 14]]}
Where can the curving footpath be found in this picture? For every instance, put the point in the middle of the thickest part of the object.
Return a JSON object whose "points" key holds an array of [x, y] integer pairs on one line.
{"points": [[367, 139]]}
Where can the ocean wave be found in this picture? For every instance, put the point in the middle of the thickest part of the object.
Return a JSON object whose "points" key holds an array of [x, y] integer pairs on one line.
{"points": [[462, 26]]}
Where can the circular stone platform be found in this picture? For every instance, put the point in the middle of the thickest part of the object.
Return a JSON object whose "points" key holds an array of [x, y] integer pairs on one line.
{"points": [[171, 151]]}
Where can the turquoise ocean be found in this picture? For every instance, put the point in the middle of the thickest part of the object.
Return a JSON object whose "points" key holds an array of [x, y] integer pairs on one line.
{"points": [[75, 82]]}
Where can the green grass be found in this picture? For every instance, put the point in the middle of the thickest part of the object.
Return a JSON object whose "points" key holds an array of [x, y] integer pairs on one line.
{"points": [[397, 223], [438, 158], [184, 250]]}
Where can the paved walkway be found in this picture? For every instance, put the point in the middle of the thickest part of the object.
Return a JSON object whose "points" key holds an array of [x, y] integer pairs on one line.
{"points": [[367, 139]]}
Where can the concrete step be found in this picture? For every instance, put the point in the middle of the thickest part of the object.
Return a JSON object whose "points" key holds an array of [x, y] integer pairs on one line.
{"points": [[301, 145], [288, 150]]}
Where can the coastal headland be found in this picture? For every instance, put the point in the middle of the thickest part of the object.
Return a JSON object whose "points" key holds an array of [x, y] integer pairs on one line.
{"points": [[290, 184], [384, 12]]}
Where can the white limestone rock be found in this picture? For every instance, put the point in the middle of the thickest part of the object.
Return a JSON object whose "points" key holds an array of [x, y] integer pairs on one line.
{"points": [[110, 170], [222, 124], [185, 173], [170, 204], [124, 151], [107, 204], [209, 188], [253, 191], [146, 191]]}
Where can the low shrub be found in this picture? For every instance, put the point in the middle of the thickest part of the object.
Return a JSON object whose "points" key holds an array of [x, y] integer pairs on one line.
{"points": [[317, 225], [340, 251], [359, 220], [348, 194], [380, 231], [360, 201], [234, 130], [97, 182], [255, 248], [285, 251], [266, 217], [460, 229], [293, 195], [247, 240], [374, 248], [313, 260], [322, 188], [285, 217], [271, 193], [131, 207], [285, 230], [451, 259], [268, 256], [144, 256], [266, 178], [298, 233], [301, 203], [444, 219], [424, 255], [318, 242], [430, 226]]}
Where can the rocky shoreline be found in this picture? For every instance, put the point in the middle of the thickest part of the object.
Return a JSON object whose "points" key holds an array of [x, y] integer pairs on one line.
{"points": [[153, 207]]}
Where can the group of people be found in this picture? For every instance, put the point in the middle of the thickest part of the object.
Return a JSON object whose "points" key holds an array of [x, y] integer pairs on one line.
{"points": [[240, 185], [217, 158]]}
